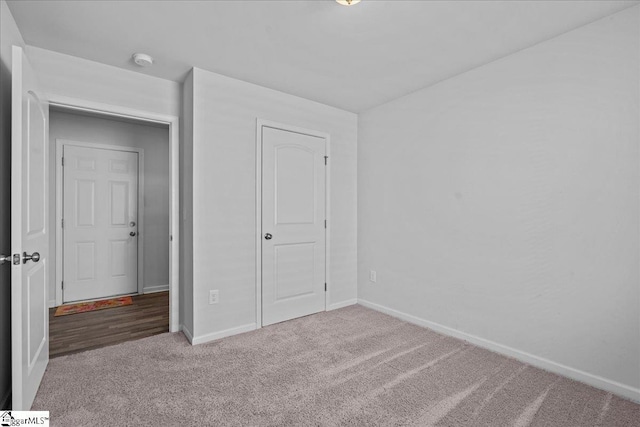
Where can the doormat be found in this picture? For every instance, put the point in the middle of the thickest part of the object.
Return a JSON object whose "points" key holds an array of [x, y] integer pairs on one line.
{"points": [[83, 307]]}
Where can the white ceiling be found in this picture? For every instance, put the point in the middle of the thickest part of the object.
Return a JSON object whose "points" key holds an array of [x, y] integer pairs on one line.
{"points": [[350, 57]]}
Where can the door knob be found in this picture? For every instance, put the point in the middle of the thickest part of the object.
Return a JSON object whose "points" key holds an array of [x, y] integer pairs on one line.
{"points": [[268, 236], [5, 258], [133, 233], [35, 257]]}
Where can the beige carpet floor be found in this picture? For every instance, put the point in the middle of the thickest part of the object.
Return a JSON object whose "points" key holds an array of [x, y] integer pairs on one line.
{"points": [[352, 366]]}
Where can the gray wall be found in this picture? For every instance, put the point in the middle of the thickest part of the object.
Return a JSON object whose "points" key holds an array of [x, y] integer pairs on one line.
{"points": [[9, 35], [224, 112], [503, 203], [155, 142], [186, 206]]}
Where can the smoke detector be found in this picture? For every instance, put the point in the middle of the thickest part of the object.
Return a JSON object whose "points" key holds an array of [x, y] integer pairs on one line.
{"points": [[142, 59]]}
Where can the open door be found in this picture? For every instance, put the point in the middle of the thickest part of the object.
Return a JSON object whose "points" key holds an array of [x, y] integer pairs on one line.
{"points": [[29, 233]]}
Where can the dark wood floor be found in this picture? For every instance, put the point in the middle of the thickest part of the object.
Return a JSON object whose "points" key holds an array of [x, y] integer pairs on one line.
{"points": [[147, 316]]}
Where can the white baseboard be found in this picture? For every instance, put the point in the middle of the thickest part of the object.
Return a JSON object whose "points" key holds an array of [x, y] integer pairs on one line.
{"points": [[187, 333], [540, 362], [5, 403], [222, 334], [341, 304], [153, 289]]}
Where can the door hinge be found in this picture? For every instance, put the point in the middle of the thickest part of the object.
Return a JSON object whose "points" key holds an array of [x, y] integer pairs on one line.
{"points": [[325, 223], [63, 161], [62, 284], [62, 222], [325, 287], [326, 159], [171, 238]]}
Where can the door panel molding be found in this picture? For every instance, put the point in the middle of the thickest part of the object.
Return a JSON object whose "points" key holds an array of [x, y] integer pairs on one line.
{"points": [[60, 144], [260, 125], [36, 342]]}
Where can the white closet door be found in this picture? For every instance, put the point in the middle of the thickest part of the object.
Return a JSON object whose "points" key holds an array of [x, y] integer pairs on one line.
{"points": [[293, 225]]}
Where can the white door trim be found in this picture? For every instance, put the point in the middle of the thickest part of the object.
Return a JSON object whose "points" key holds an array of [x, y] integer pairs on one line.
{"points": [[60, 144], [260, 123], [174, 198]]}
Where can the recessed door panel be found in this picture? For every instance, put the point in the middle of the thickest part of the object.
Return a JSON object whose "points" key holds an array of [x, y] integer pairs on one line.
{"points": [[293, 233], [119, 198], [35, 173], [294, 270], [100, 256], [118, 255], [37, 326], [119, 166], [86, 164], [85, 202], [85, 260], [295, 185]]}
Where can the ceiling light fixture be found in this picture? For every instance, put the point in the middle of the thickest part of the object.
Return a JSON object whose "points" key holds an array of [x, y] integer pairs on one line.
{"points": [[348, 2], [142, 59]]}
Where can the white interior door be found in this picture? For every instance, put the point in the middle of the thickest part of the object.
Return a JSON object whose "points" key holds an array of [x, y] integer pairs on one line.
{"points": [[100, 223], [293, 225], [29, 233]]}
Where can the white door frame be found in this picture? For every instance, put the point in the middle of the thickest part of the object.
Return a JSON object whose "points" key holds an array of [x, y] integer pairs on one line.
{"points": [[261, 123], [60, 144], [75, 104]]}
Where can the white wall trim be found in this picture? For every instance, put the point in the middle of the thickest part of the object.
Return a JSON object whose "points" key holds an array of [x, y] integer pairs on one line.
{"points": [[539, 362], [222, 334], [187, 333], [342, 304], [260, 123], [52, 303], [155, 288], [60, 144], [174, 198]]}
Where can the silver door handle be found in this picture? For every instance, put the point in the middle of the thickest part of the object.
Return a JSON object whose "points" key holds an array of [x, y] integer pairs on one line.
{"points": [[268, 236], [5, 258], [35, 257]]}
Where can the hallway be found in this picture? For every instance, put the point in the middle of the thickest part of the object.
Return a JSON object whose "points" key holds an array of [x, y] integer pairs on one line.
{"points": [[147, 316]]}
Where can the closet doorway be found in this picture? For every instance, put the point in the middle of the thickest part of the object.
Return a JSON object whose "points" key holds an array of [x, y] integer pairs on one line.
{"points": [[292, 222]]}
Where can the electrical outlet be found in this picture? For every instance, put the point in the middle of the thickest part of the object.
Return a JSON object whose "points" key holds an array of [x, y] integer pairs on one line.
{"points": [[213, 297], [372, 276]]}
